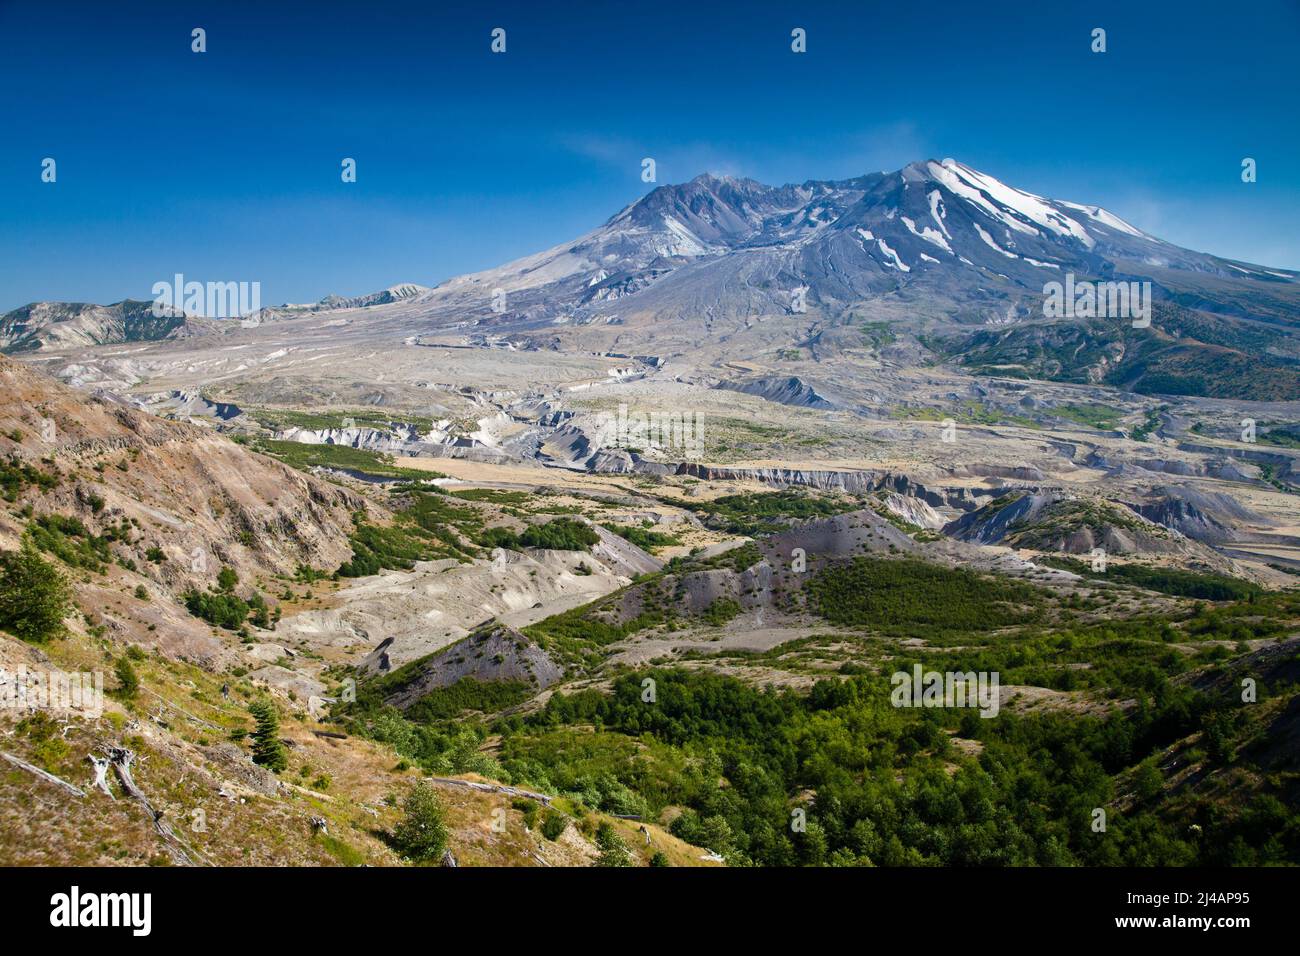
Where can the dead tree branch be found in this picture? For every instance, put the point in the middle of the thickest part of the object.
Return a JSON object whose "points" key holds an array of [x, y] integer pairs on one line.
{"points": [[122, 760], [57, 781]]}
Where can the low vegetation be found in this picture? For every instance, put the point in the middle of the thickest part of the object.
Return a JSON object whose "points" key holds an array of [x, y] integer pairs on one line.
{"points": [[558, 534], [760, 513], [345, 458], [891, 788], [1177, 581], [421, 834], [919, 598], [643, 538], [16, 476]]}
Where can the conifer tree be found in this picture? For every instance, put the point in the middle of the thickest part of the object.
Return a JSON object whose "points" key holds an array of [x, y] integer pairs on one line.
{"points": [[128, 680], [34, 596], [267, 749]]}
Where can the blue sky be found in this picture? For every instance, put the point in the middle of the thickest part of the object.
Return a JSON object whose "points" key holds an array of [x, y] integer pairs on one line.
{"points": [[225, 165]]}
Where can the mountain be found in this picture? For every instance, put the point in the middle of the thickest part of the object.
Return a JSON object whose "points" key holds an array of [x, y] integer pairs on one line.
{"points": [[934, 263], [985, 249], [395, 293], [954, 245], [59, 325], [950, 256], [51, 325]]}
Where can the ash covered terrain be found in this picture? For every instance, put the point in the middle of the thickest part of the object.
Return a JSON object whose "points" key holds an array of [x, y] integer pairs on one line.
{"points": [[762, 447]]}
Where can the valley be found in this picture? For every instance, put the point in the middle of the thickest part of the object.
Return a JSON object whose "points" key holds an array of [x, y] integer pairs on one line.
{"points": [[453, 545]]}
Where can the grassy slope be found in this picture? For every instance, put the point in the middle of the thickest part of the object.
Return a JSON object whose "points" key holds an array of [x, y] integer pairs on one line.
{"points": [[180, 768]]}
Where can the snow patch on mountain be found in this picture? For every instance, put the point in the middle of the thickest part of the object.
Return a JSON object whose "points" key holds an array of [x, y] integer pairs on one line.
{"points": [[955, 184], [928, 234], [937, 211], [989, 240], [1034, 208], [1100, 215], [686, 244], [897, 263]]}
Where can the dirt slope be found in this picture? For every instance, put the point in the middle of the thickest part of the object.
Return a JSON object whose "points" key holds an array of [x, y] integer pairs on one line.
{"points": [[200, 500]]}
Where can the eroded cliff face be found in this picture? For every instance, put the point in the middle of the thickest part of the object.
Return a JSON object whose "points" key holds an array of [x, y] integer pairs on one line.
{"points": [[854, 482], [175, 502]]}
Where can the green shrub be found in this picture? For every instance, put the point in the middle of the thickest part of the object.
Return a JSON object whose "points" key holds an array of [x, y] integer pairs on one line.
{"points": [[766, 512], [468, 694], [69, 540], [554, 823], [911, 595], [720, 611], [643, 539], [259, 615], [560, 534], [223, 610], [1175, 581], [613, 851], [530, 810], [16, 476], [421, 834]]}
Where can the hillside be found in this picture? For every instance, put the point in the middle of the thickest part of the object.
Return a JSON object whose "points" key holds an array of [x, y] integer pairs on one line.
{"points": [[333, 805], [141, 503], [120, 503], [46, 325], [668, 715]]}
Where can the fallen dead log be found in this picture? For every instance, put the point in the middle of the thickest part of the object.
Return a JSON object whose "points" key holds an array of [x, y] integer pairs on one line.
{"points": [[330, 734], [314, 794], [186, 713], [122, 759], [44, 775], [491, 788]]}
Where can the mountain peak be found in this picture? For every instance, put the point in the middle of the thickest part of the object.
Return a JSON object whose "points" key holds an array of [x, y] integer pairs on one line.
{"points": [[712, 177]]}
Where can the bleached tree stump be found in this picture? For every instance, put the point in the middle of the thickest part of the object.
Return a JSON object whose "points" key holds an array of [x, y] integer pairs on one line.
{"points": [[101, 773]]}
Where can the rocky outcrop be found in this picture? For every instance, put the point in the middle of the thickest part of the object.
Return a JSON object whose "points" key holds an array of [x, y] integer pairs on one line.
{"points": [[853, 482], [48, 325], [1069, 524], [492, 653], [913, 511], [783, 389], [840, 536], [1284, 462], [621, 555], [186, 404], [1209, 517]]}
